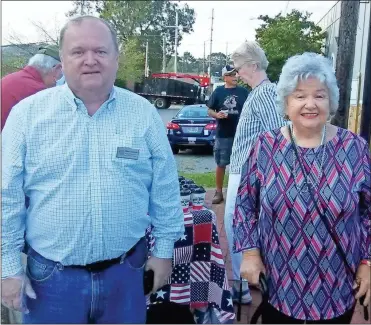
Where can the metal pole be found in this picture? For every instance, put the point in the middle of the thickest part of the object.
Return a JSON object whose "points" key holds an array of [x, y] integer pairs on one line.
{"points": [[176, 42], [82, 7], [226, 54], [163, 53], [365, 128], [146, 62], [211, 40], [203, 63], [358, 101]]}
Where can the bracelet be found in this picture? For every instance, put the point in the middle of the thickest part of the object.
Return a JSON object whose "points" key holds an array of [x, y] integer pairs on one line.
{"points": [[366, 262], [251, 252]]}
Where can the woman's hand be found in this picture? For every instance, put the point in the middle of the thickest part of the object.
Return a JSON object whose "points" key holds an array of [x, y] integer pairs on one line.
{"points": [[251, 266], [363, 283]]}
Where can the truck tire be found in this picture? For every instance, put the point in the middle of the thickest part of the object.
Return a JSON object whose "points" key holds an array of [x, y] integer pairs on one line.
{"points": [[190, 101], [160, 103], [175, 149]]}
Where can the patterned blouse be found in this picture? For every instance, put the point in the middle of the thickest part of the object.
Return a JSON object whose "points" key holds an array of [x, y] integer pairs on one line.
{"points": [[307, 276]]}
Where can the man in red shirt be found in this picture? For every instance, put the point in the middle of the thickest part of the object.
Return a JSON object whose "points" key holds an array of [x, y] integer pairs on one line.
{"points": [[41, 72]]}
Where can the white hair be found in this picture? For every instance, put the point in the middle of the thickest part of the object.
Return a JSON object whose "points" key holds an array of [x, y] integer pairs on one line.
{"points": [[251, 52], [43, 63], [302, 67]]}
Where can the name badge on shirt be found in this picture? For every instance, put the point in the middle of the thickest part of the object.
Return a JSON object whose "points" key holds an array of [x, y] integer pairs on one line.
{"points": [[127, 153]]}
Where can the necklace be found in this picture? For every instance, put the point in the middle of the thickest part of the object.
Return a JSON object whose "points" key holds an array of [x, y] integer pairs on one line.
{"points": [[317, 178], [261, 82]]}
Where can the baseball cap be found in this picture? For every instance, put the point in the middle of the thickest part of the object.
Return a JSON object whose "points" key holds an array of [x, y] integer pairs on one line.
{"points": [[50, 50], [227, 69]]}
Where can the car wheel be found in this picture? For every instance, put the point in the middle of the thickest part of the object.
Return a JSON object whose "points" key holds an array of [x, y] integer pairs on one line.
{"points": [[210, 150], [175, 150], [160, 103]]}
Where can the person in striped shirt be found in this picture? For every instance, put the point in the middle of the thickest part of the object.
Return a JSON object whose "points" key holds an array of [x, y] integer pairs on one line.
{"points": [[258, 114]]}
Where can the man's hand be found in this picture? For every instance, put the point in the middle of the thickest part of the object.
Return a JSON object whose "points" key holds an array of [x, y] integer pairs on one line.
{"points": [[220, 115], [13, 290], [161, 268], [363, 283], [251, 267]]}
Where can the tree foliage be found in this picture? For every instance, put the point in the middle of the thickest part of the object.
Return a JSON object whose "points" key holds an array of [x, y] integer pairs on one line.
{"points": [[284, 36], [148, 21], [10, 65], [82, 7], [131, 61]]}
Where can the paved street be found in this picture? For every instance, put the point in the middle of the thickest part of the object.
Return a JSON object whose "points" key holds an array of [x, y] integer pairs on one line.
{"points": [[188, 161]]}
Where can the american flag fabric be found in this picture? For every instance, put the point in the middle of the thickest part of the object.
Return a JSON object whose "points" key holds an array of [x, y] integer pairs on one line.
{"points": [[199, 278]]}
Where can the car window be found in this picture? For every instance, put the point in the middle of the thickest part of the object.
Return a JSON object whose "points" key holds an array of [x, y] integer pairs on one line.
{"points": [[193, 112]]}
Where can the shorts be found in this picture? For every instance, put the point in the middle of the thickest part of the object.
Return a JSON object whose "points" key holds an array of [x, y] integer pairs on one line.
{"points": [[223, 151]]}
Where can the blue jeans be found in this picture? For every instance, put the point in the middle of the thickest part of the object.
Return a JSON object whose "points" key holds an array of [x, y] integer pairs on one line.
{"points": [[77, 296]]}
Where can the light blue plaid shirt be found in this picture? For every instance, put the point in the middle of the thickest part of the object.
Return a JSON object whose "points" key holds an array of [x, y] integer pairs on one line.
{"points": [[90, 180]]}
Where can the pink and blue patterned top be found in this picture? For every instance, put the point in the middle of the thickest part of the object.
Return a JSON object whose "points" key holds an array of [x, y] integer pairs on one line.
{"points": [[307, 276]]}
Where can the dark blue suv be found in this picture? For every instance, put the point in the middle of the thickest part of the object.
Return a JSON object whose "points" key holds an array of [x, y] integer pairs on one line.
{"points": [[191, 128]]}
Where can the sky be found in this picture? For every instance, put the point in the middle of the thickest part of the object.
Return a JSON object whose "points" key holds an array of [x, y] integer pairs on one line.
{"points": [[234, 21]]}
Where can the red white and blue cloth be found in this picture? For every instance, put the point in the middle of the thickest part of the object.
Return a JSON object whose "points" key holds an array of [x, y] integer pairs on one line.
{"points": [[199, 278]]}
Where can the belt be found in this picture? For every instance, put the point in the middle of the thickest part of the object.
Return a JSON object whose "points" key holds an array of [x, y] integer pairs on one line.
{"points": [[102, 265]]}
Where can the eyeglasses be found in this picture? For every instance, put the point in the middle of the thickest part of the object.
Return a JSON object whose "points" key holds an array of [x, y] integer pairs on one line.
{"points": [[237, 69]]}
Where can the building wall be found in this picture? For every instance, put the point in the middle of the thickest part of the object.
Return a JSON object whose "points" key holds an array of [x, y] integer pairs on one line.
{"points": [[330, 23]]}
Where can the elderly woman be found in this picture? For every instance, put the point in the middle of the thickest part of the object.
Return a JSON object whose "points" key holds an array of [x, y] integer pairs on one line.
{"points": [[305, 200], [259, 114]]}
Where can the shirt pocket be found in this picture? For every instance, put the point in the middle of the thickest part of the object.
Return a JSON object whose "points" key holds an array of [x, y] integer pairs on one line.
{"points": [[128, 150]]}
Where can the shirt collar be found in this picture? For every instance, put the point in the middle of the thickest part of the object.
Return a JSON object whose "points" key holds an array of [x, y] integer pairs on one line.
{"points": [[75, 101], [33, 72]]}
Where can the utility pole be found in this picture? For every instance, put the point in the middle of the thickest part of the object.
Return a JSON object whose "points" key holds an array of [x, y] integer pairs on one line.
{"points": [[345, 59], [146, 68], [211, 40], [163, 53], [203, 63], [176, 41], [226, 53], [365, 129], [82, 7]]}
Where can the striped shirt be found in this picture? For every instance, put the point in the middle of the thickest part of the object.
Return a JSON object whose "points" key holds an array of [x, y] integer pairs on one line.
{"points": [[95, 183], [258, 114]]}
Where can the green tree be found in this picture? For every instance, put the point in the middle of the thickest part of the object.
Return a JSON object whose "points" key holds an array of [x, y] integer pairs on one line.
{"points": [[10, 65], [284, 36], [148, 21], [82, 7], [131, 62], [218, 61]]}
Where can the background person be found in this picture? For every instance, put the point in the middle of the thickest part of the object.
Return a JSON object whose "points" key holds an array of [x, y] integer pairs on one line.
{"points": [[259, 114], [42, 71], [225, 105]]}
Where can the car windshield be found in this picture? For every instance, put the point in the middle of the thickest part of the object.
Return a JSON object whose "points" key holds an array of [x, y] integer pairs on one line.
{"points": [[193, 112]]}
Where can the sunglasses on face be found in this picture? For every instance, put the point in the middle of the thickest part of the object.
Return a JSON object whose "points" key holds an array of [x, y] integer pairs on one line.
{"points": [[232, 74], [237, 69]]}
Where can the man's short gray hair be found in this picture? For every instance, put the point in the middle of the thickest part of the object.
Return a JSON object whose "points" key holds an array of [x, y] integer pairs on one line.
{"points": [[43, 63], [78, 20], [251, 52], [302, 67]]}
